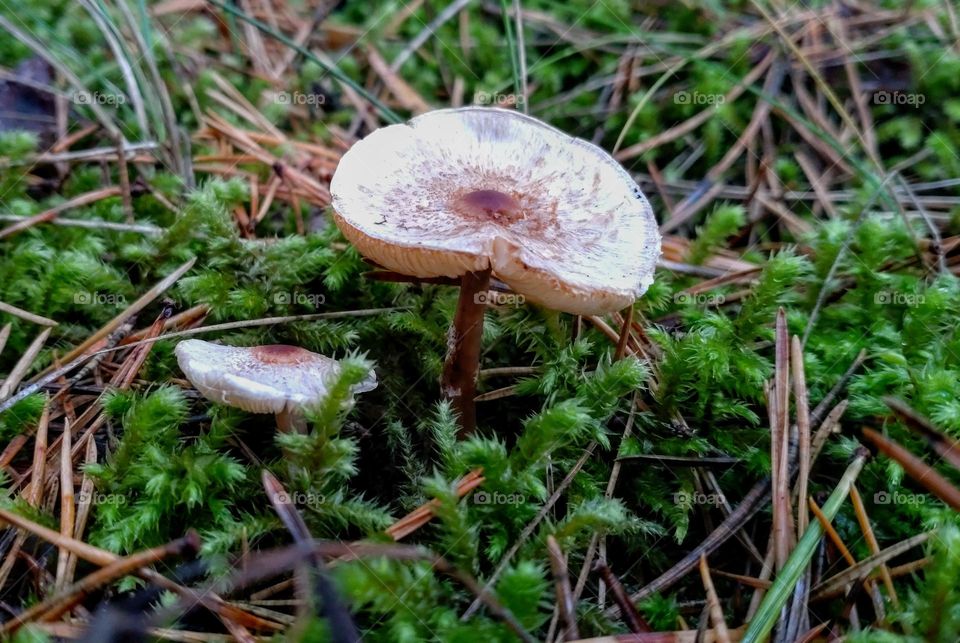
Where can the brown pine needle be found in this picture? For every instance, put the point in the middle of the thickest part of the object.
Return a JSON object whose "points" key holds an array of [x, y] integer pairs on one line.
{"points": [[25, 315], [628, 610], [802, 406], [871, 540], [916, 469], [565, 603], [83, 507], [133, 309], [35, 492], [780, 450], [67, 507], [423, 514], [831, 533], [835, 585], [65, 599], [713, 603], [23, 365], [102, 557], [749, 581], [48, 215], [4, 336], [946, 447], [831, 424]]}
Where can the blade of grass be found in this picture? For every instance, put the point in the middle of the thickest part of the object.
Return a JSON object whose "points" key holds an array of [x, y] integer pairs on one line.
{"points": [[762, 624]]}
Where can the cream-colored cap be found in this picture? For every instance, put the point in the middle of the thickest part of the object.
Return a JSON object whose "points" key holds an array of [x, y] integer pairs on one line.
{"points": [[457, 190], [260, 379]]}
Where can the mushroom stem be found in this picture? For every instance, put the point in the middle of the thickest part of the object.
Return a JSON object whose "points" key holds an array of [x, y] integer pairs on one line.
{"points": [[459, 381], [291, 422]]}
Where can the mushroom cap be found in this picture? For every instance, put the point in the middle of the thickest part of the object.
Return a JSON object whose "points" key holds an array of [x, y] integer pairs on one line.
{"points": [[260, 379], [457, 190]]}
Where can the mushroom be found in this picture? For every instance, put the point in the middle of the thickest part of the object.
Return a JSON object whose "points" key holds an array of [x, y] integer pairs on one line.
{"points": [[473, 192], [276, 378]]}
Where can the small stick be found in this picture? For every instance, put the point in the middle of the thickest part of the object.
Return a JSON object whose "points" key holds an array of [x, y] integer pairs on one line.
{"points": [[936, 241], [459, 380], [713, 602], [561, 579], [249, 323], [508, 371], [870, 584], [497, 394], [185, 319]]}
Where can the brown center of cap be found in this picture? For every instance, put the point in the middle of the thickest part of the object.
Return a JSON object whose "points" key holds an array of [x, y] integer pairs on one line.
{"points": [[280, 354], [491, 205]]}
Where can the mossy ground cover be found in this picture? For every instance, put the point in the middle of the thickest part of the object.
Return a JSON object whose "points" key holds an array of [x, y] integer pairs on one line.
{"points": [[802, 159]]}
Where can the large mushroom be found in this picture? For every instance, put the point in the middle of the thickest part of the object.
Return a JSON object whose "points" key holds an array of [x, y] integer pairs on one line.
{"points": [[276, 378], [473, 192]]}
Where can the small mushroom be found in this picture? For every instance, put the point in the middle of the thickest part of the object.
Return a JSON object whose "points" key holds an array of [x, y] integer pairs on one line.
{"points": [[475, 192], [276, 378]]}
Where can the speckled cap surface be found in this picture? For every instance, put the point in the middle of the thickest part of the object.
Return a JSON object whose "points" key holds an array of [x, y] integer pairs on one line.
{"points": [[457, 190]]}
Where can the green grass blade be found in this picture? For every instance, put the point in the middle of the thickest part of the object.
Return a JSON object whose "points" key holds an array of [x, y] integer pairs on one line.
{"points": [[769, 610]]}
